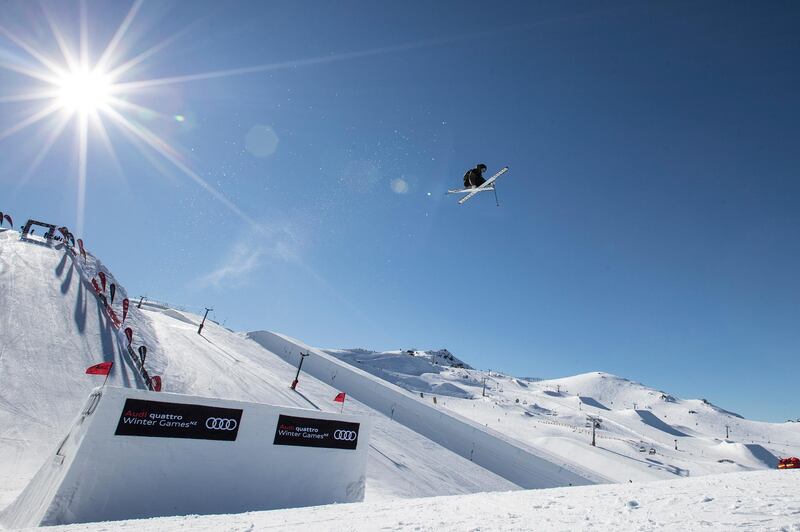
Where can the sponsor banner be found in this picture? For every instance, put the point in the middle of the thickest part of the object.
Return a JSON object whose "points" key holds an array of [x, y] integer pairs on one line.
{"points": [[177, 420], [310, 432]]}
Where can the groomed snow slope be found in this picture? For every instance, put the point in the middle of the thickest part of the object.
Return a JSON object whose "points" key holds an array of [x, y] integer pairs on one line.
{"points": [[764, 500], [51, 330], [229, 365], [637, 437]]}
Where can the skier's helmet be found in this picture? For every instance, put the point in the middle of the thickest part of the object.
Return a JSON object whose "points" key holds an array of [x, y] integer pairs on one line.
{"points": [[482, 167]]}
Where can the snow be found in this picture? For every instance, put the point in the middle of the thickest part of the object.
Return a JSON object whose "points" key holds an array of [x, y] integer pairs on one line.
{"points": [[764, 500], [44, 385], [551, 416], [52, 328], [219, 363], [508, 457]]}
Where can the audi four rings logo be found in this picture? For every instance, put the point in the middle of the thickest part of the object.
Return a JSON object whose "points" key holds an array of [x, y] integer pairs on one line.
{"points": [[220, 423], [345, 435]]}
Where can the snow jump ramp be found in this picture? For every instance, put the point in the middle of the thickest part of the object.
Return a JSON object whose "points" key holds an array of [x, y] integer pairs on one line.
{"points": [[137, 454]]}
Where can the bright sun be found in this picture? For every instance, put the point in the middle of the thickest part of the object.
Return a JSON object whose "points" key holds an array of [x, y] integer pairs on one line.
{"points": [[84, 91]]}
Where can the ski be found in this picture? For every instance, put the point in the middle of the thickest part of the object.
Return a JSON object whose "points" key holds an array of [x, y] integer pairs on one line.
{"points": [[488, 185], [467, 190]]}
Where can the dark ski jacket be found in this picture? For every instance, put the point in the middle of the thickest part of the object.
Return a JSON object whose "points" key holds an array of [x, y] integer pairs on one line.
{"points": [[473, 178]]}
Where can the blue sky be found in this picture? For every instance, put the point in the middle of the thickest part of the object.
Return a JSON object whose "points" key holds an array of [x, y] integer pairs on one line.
{"points": [[648, 226]]}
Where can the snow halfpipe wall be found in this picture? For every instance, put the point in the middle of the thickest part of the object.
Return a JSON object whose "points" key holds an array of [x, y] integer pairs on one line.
{"points": [[510, 459], [138, 454]]}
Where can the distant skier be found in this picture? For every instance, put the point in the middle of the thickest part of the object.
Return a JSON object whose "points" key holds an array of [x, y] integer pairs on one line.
{"points": [[474, 177]]}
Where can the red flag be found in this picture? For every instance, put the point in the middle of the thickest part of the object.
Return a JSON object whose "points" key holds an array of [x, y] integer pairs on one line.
{"points": [[129, 334], [102, 280], [80, 245], [339, 397], [103, 368], [155, 380], [125, 304]]}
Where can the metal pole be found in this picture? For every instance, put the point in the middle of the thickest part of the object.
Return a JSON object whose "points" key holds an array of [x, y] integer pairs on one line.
{"points": [[484, 387], [200, 329], [595, 421], [297, 375]]}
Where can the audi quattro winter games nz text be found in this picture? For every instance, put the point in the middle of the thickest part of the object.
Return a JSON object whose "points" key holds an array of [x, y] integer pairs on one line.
{"points": [[310, 432], [177, 420]]}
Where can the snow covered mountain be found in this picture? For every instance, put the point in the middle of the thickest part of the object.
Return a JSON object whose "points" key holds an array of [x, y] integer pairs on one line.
{"points": [[643, 433], [416, 371]]}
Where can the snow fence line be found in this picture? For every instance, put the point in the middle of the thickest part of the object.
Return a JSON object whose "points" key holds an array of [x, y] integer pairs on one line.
{"points": [[511, 460], [135, 454], [124, 342]]}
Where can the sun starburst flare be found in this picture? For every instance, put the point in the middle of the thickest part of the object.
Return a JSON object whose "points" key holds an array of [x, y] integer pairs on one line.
{"points": [[72, 89], [89, 94]]}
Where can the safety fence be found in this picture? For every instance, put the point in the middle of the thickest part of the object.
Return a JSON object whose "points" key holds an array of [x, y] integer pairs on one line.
{"points": [[124, 336], [138, 357]]}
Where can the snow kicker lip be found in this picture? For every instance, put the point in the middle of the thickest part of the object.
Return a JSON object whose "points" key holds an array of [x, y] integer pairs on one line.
{"points": [[185, 474]]}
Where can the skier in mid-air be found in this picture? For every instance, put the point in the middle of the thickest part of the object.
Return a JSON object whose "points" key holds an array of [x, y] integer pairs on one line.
{"points": [[475, 183], [474, 176]]}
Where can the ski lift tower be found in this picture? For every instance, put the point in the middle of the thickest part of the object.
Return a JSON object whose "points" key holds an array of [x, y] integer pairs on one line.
{"points": [[595, 421]]}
